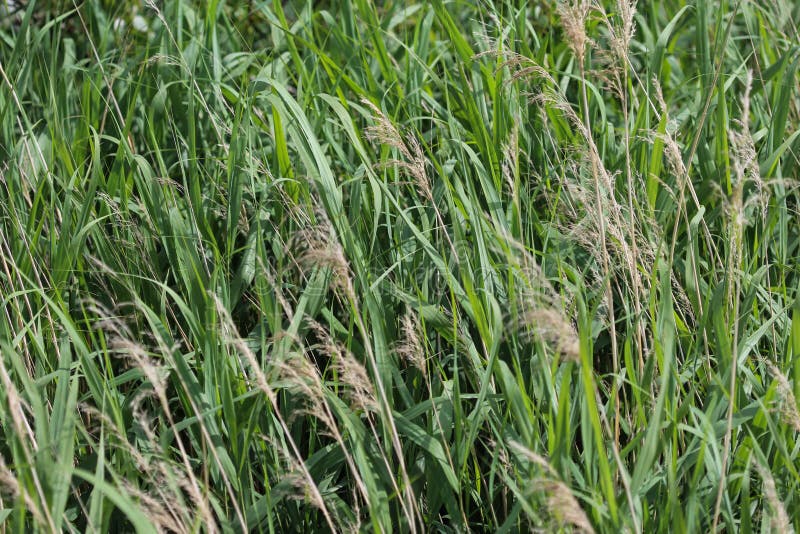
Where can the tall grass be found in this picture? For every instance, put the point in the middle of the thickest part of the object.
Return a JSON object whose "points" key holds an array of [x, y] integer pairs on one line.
{"points": [[382, 266]]}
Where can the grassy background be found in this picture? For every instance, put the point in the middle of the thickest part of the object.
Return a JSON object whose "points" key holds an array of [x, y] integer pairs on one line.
{"points": [[355, 266]]}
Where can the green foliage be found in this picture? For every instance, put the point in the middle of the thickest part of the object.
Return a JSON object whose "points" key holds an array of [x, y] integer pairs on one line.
{"points": [[378, 266]]}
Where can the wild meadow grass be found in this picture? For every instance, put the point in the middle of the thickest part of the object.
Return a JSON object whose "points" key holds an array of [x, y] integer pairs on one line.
{"points": [[355, 266]]}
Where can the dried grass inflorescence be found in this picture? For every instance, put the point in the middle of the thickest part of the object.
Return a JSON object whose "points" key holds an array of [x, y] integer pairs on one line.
{"points": [[779, 522], [544, 314], [413, 159], [361, 392], [413, 162], [574, 15], [611, 54], [597, 216], [302, 378], [787, 400], [318, 246], [162, 499], [10, 487], [552, 327], [671, 149], [561, 502], [410, 346], [623, 31], [295, 475], [351, 372], [744, 160]]}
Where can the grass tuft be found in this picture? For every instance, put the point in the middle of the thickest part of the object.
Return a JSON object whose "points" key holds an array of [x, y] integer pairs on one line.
{"points": [[363, 266]]}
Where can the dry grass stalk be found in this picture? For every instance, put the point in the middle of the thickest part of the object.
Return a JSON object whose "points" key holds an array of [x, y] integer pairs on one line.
{"points": [[156, 375], [565, 507], [624, 31], [671, 149], [628, 243], [544, 312], [160, 514], [296, 476], [672, 154], [303, 379], [745, 162], [606, 216], [743, 158], [16, 407]]}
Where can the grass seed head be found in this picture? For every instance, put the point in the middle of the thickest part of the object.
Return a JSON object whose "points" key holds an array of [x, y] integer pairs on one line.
{"points": [[574, 15], [552, 327], [361, 391], [788, 402], [410, 346], [359, 386], [563, 505], [317, 245], [413, 159], [11, 487], [779, 521], [561, 502]]}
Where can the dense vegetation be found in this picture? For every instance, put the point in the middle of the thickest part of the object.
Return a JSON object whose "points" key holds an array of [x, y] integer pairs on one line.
{"points": [[380, 266]]}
